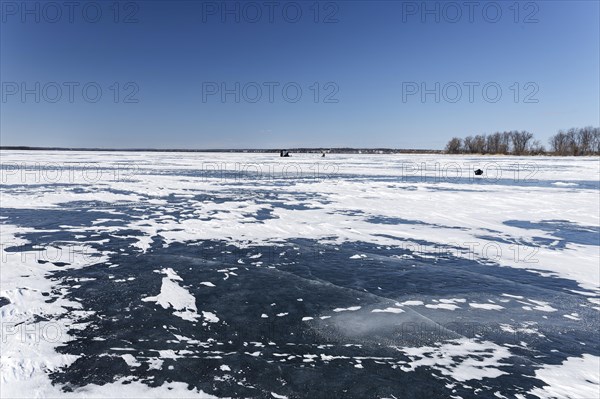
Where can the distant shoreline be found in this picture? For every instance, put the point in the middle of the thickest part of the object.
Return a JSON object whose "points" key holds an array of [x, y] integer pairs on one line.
{"points": [[231, 150], [358, 151]]}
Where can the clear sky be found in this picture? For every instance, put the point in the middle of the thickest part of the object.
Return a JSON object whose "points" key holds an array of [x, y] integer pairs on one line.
{"points": [[187, 74]]}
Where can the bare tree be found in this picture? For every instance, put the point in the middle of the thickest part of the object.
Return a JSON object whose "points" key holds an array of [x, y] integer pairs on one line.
{"points": [[585, 139], [469, 145], [596, 140], [575, 141], [558, 143], [536, 148], [572, 145], [520, 142], [493, 143], [505, 143], [480, 144], [454, 146]]}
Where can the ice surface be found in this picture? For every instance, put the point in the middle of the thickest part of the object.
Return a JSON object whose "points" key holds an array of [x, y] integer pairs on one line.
{"points": [[192, 273]]}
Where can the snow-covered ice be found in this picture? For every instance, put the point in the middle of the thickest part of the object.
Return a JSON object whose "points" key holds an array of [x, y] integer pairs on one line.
{"points": [[243, 275]]}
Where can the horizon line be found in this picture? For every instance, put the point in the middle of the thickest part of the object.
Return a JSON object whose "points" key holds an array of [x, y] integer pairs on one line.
{"points": [[297, 149]]}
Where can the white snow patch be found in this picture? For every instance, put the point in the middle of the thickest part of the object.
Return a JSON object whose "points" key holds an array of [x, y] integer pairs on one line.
{"points": [[564, 184], [210, 317], [172, 295], [412, 303], [445, 306], [388, 310], [576, 377], [486, 306], [350, 309], [461, 359], [130, 360]]}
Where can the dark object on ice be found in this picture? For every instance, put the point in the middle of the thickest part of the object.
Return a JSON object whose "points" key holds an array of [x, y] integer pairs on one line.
{"points": [[478, 172], [284, 153], [60, 264], [322, 155], [4, 301]]}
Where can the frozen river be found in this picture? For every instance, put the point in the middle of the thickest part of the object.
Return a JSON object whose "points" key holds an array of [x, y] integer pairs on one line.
{"points": [[250, 275]]}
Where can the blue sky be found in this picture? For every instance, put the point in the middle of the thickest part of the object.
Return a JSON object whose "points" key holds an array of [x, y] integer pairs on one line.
{"points": [[361, 68]]}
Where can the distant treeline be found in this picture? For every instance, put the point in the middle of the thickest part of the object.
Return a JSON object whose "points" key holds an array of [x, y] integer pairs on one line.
{"points": [[575, 141], [345, 150]]}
